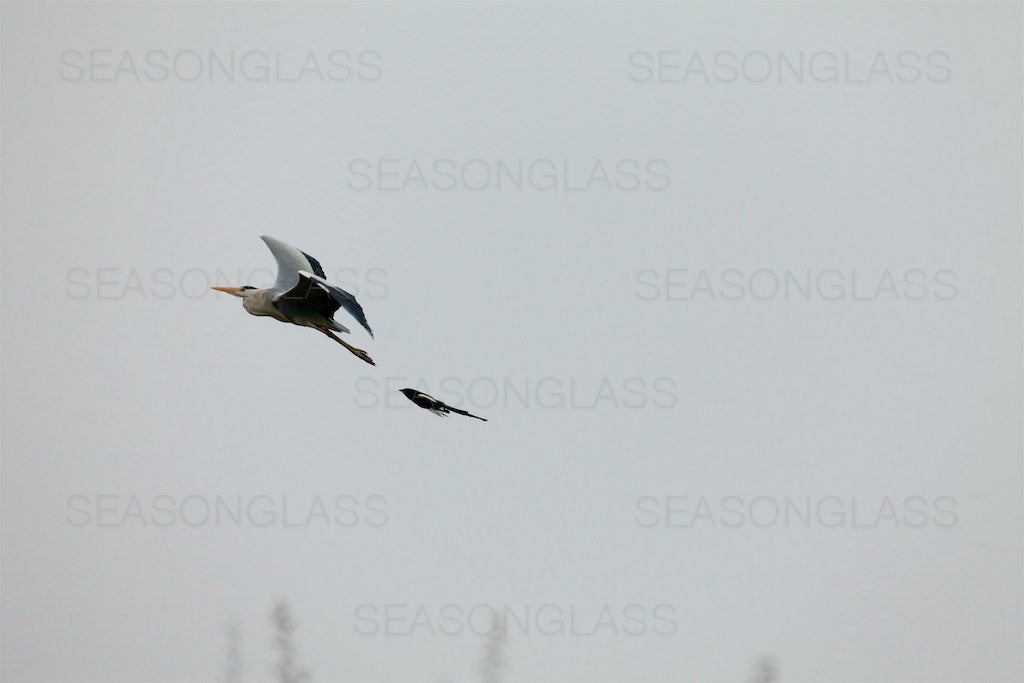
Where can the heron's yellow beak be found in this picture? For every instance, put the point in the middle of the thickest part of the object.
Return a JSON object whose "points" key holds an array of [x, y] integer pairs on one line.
{"points": [[234, 291]]}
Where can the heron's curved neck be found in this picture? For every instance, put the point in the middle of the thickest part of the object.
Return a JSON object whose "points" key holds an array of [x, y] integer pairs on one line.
{"points": [[260, 302]]}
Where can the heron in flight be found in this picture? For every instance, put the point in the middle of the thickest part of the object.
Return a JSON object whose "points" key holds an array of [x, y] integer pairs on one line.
{"points": [[439, 408], [302, 296]]}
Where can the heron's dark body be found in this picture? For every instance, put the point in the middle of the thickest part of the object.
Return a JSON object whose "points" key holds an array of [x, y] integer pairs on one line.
{"points": [[296, 309]]}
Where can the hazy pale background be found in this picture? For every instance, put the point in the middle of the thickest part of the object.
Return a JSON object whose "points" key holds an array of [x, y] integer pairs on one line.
{"points": [[117, 385]]}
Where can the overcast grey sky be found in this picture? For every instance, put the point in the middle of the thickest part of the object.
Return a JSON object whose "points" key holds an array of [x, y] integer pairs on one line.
{"points": [[738, 287]]}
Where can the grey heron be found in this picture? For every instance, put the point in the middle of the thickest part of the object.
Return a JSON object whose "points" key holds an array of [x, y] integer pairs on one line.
{"points": [[301, 295], [439, 408]]}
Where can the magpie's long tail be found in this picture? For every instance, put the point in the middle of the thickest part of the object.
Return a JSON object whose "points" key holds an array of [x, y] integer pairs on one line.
{"points": [[466, 413]]}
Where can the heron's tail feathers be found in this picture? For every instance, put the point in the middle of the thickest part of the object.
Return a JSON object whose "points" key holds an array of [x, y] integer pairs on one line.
{"points": [[338, 327]]}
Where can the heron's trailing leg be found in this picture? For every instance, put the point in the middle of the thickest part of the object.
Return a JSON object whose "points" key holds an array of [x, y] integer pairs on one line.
{"points": [[358, 353]]}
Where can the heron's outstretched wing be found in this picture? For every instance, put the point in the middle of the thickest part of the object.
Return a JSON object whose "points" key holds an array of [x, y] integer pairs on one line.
{"points": [[289, 262], [315, 293], [343, 299], [317, 268]]}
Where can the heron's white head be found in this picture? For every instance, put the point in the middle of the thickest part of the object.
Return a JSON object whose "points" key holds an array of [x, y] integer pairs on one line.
{"points": [[243, 291]]}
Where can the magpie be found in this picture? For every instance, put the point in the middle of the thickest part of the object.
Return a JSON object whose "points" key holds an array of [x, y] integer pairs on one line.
{"points": [[433, 405]]}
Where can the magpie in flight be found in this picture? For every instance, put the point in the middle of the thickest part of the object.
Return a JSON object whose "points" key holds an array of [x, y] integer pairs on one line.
{"points": [[433, 405]]}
